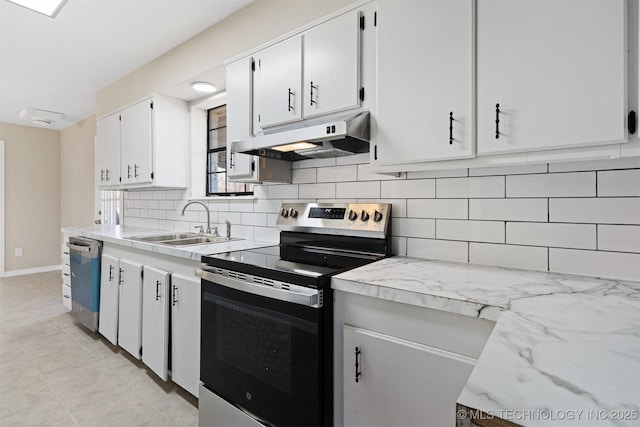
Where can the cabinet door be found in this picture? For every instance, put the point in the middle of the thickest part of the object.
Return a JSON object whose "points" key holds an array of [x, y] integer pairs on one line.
{"points": [[109, 296], [155, 320], [239, 117], [551, 74], [185, 332], [107, 151], [278, 81], [136, 143], [332, 65], [130, 307], [425, 81], [400, 382]]}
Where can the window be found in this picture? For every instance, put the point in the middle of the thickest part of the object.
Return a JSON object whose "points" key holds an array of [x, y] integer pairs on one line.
{"points": [[217, 183], [110, 207]]}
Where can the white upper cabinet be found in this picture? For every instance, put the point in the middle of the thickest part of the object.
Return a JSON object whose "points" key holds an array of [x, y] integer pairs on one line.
{"points": [[278, 81], [135, 141], [331, 66], [144, 145], [551, 74], [107, 151], [425, 81], [239, 117]]}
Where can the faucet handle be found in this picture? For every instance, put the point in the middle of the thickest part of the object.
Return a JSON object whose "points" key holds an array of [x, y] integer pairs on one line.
{"points": [[201, 227], [215, 232]]}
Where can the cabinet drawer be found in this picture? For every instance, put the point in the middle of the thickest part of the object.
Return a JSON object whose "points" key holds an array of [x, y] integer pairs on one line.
{"points": [[66, 295]]}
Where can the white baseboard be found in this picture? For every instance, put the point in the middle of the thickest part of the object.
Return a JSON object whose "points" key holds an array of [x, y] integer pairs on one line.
{"points": [[31, 271]]}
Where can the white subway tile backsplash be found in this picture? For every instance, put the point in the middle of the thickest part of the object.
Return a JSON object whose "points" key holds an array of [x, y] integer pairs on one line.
{"points": [[579, 236], [286, 191], [524, 257], [446, 250], [365, 174], [580, 184], [508, 209], [258, 219], [355, 190], [318, 191], [619, 183], [414, 227], [621, 238], [458, 188], [409, 189], [445, 173], [471, 231], [612, 265], [593, 165], [509, 170], [303, 176], [585, 220], [337, 174], [354, 159], [607, 210], [438, 208], [316, 163]]}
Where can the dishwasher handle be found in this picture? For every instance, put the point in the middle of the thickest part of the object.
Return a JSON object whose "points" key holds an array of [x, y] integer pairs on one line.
{"points": [[79, 248]]}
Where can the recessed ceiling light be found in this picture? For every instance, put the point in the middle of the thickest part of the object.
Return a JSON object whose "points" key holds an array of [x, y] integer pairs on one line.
{"points": [[45, 7], [204, 87]]}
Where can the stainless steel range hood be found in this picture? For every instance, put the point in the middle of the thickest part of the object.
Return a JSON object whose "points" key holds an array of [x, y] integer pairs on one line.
{"points": [[335, 137]]}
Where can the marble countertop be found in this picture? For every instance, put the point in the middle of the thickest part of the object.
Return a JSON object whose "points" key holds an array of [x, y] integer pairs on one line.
{"points": [[565, 349], [120, 235]]}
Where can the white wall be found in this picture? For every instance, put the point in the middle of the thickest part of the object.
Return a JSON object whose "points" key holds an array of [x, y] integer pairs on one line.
{"points": [[581, 218]]}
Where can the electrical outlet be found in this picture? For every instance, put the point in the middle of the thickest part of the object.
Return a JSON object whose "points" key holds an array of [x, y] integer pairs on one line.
{"points": [[18, 251]]}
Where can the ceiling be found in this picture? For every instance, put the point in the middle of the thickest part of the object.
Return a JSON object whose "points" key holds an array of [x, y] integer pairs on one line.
{"points": [[60, 64]]}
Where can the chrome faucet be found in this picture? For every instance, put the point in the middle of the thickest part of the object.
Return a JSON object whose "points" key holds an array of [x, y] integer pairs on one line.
{"points": [[226, 221], [208, 213]]}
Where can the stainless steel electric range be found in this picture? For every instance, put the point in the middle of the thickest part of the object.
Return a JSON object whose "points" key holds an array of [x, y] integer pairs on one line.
{"points": [[267, 316]]}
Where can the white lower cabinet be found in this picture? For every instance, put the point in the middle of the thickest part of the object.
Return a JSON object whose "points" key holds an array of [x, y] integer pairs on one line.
{"points": [[109, 297], [65, 262], [155, 320], [185, 332], [399, 382], [399, 364], [130, 307]]}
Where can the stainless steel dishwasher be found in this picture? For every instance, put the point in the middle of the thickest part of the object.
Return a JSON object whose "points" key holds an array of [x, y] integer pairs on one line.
{"points": [[85, 257]]}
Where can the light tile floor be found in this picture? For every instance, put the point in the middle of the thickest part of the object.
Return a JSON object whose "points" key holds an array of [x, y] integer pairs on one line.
{"points": [[55, 373]]}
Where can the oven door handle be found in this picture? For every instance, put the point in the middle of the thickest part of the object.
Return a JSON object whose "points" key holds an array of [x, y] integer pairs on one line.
{"points": [[308, 297]]}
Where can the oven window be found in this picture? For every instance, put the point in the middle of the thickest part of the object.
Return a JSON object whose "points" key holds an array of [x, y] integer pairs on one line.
{"points": [[262, 355]]}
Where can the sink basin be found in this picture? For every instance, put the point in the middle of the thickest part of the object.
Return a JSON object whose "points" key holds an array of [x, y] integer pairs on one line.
{"points": [[163, 237], [182, 239], [202, 240]]}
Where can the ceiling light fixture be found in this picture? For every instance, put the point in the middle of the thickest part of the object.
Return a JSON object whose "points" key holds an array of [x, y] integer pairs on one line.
{"points": [[40, 122], [40, 117], [204, 87], [49, 8]]}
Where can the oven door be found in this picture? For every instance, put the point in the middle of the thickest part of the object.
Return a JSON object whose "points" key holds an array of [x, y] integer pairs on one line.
{"points": [[263, 353]]}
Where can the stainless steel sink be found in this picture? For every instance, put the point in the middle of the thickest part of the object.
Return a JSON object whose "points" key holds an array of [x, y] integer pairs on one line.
{"points": [[163, 237], [197, 241], [182, 239]]}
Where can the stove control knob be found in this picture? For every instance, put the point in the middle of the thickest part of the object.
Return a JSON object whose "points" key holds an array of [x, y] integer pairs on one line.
{"points": [[364, 216], [353, 215], [284, 213], [293, 213], [377, 216]]}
